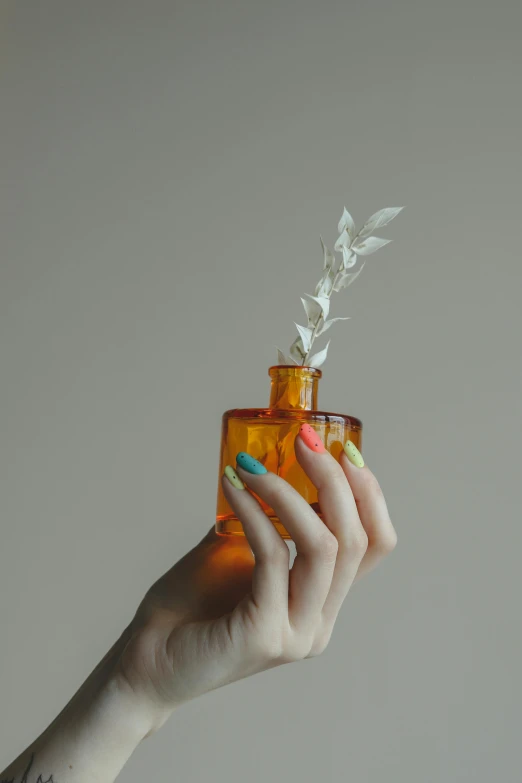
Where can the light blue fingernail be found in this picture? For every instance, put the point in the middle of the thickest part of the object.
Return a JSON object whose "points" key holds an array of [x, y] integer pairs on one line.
{"points": [[250, 464]]}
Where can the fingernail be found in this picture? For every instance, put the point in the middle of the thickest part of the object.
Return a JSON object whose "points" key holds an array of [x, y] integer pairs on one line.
{"points": [[250, 464], [311, 438], [353, 454], [234, 479]]}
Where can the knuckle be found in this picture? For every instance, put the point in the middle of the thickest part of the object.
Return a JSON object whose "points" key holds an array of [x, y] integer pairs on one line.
{"points": [[386, 541], [297, 650], [273, 549], [321, 641], [330, 548], [318, 648], [270, 646], [358, 543], [325, 546], [274, 650], [278, 553]]}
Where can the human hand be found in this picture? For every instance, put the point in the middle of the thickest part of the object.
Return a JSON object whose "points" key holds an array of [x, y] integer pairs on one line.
{"points": [[222, 613], [228, 609]]}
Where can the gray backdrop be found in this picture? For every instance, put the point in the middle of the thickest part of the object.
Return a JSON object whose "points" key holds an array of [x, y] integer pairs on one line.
{"points": [[167, 170]]}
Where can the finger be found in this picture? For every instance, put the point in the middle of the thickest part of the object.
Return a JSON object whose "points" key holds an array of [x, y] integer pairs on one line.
{"points": [[272, 556], [371, 504], [339, 515], [312, 570]]}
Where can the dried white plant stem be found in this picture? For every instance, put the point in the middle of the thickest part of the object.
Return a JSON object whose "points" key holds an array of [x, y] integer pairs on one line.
{"points": [[351, 244]]}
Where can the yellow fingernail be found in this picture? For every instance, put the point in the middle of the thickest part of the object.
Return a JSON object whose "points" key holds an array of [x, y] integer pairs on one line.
{"points": [[353, 454], [234, 479]]}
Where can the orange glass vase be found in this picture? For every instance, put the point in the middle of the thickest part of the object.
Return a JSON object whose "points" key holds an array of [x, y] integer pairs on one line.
{"points": [[268, 434]]}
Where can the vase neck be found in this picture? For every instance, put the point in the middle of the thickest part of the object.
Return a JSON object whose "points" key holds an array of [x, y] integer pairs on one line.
{"points": [[293, 387]]}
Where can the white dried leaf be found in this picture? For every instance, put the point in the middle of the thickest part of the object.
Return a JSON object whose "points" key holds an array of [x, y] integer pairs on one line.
{"points": [[378, 220], [321, 287], [323, 302], [342, 241], [312, 310], [325, 285], [352, 247], [328, 324], [347, 278], [370, 245], [346, 223], [296, 351], [281, 358], [306, 336], [319, 358], [328, 256], [349, 258]]}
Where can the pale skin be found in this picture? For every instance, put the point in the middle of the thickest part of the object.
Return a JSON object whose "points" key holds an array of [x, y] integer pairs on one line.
{"points": [[230, 608]]}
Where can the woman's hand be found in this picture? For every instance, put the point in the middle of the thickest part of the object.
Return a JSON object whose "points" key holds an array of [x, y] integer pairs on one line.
{"points": [[222, 613]]}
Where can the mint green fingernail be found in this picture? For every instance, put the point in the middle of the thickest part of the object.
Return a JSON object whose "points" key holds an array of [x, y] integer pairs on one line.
{"points": [[250, 464]]}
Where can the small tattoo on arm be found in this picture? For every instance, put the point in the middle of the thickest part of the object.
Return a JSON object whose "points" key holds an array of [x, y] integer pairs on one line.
{"points": [[25, 776]]}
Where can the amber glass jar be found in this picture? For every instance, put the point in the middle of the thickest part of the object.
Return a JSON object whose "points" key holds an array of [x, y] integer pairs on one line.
{"points": [[268, 434]]}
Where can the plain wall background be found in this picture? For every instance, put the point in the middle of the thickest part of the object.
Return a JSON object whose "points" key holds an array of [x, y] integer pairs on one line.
{"points": [[167, 168]]}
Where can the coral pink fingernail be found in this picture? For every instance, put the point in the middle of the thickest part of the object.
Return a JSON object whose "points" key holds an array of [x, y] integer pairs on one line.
{"points": [[311, 438]]}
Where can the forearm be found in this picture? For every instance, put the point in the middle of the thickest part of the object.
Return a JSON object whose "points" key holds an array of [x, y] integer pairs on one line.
{"points": [[93, 736]]}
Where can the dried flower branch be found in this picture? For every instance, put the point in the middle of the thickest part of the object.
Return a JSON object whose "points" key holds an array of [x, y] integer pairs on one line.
{"points": [[350, 244]]}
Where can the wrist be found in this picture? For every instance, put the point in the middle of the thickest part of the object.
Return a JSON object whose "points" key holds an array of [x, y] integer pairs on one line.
{"points": [[109, 695], [93, 737], [98, 730], [138, 715]]}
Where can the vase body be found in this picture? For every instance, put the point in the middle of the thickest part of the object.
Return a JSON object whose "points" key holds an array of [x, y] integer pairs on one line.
{"points": [[268, 434]]}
